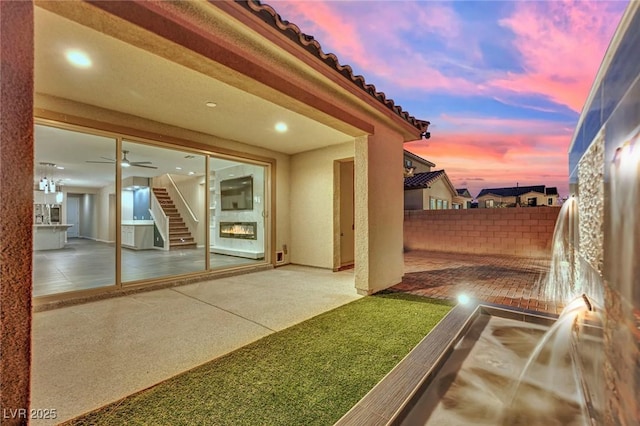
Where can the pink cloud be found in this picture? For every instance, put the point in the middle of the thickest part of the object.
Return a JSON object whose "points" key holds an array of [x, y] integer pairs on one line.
{"points": [[562, 45], [373, 39], [493, 152]]}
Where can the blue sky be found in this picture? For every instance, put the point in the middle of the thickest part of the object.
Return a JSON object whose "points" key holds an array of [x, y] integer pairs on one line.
{"points": [[502, 82]]}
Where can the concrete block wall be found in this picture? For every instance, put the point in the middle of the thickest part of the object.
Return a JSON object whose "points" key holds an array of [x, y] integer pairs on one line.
{"points": [[526, 231]]}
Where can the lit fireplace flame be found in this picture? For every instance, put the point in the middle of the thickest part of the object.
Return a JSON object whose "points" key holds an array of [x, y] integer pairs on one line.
{"points": [[239, 230]]}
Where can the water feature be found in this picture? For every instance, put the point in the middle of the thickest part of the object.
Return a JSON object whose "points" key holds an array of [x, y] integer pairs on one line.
{"points": [[506, 371], [568, 277], [524, 371]]}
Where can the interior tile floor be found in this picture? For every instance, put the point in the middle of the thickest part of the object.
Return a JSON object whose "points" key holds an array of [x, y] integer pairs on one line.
{"points": [[84, 264], [85, 356]]}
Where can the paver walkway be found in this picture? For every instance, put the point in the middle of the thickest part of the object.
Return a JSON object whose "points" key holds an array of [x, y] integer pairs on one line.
{"points": [[506, 280]]}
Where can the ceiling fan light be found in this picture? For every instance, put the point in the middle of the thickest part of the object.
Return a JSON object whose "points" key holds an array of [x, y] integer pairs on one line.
{"points": [[125, 164]]}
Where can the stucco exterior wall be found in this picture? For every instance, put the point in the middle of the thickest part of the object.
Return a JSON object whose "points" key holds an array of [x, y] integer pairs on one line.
{"points": [[413, 199], [380, 187], [16, 206], [311, 205], [519, 232], [419, 166], [541, 200], [438, 190]]}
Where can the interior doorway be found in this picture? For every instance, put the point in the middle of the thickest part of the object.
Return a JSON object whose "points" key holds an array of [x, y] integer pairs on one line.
{"points": [[347, 222], [73, 215]]}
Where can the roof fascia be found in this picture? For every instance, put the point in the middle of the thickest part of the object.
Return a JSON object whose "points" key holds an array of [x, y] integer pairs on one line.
{"points": [[238, 11]]}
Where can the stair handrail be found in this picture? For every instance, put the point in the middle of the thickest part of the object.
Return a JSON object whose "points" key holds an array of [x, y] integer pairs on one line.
{"points": [[161, 220], [184, 202]]}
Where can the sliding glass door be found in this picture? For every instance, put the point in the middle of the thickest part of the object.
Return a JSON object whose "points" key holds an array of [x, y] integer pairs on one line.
{"points": [[172, 210], [162, 213]]}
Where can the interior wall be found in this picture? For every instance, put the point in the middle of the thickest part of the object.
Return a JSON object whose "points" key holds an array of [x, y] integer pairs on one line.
{"points": [[255, 215], [105, 216], [312, 196], [88, 217]]}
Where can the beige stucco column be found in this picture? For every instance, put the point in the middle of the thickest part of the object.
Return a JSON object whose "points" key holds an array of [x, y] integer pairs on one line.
{"points": [[379, 211], [16, 206]]}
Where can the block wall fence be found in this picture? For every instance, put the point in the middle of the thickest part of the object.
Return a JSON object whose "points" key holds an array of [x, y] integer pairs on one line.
{"points": [[526, 231]]}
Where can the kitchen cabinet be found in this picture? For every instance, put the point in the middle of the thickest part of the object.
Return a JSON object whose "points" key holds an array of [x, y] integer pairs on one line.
{"points": [[137, 234]]}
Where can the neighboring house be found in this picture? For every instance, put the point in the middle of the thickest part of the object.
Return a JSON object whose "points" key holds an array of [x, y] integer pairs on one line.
{"points": [[463, 199], [429, 191], [525, 196], [415, 164]]}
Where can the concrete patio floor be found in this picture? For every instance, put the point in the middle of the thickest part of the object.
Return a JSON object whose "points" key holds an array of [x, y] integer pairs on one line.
{"points": [[489, 278], [88, 355]]}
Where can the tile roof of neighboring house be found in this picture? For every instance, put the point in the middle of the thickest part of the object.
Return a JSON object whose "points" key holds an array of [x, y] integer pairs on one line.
{"points": [[293, 32], [463, 192], [422, 180], [518, 190], [418, 158]]}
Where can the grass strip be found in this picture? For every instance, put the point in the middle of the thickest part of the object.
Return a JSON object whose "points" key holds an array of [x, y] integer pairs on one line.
{"points": [[309, 374]]}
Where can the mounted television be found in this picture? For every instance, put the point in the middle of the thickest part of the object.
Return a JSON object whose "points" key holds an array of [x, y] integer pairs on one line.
{"points": [[237, 193]]}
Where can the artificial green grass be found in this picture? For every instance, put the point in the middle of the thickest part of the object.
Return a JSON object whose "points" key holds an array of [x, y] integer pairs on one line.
{"points": [[309, 374]]}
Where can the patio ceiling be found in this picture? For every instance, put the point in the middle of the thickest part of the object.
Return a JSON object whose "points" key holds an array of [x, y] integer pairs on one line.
{"points": [[134, 81]]}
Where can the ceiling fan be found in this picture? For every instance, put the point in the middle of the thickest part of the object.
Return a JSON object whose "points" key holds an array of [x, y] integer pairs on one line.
{"points": [[125, 161]]}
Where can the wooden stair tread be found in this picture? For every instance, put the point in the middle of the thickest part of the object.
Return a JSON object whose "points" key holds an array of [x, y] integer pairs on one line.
{"points": [[179, 235]]}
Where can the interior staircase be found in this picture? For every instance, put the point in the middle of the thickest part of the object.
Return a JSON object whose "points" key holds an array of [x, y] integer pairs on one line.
{"points": [[179, 235]]}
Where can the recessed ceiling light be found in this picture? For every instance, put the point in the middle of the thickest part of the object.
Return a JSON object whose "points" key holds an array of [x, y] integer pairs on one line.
{"points": [[211, 104], [78, 58], [281, 127], [192, 173], [59, 167], [178, 168]]}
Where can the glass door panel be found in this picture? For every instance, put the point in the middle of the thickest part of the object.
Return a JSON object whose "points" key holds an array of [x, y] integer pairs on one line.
{"points": [[163, 229], [74, 211], [237, 210]]}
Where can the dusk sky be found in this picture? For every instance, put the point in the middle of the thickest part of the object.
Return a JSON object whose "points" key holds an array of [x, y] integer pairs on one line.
{"points": [[502, 82]]}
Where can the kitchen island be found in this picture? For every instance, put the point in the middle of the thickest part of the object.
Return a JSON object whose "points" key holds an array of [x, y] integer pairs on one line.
{"points": [[137, 234], [50, 237]]}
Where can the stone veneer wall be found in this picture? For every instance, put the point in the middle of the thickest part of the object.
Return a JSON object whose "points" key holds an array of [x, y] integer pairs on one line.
{"points": [[526, 231], [591, 204], [622, 285]]}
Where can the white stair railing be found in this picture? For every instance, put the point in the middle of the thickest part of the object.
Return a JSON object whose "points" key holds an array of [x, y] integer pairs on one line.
{"points": [[161, 220]]}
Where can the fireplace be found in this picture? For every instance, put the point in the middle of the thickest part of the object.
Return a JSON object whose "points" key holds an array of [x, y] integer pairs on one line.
{"points": [[241, 230]]}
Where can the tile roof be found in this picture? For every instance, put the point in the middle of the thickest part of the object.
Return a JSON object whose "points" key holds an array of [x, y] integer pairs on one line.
{"points": [[293, 32], [463, 192], [552, 190], [518, 190], [422, 180]]}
